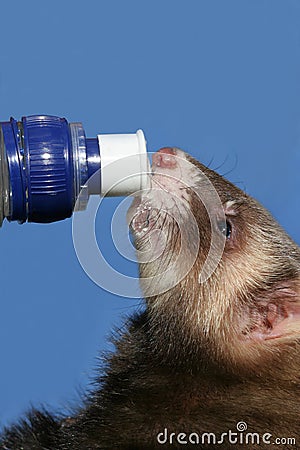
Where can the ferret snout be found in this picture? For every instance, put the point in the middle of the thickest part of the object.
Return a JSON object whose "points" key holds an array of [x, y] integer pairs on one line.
{"points": [[165, 158]]}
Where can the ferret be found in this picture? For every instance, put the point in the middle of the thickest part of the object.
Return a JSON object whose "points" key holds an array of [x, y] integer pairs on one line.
{"points": [[213, 360]]}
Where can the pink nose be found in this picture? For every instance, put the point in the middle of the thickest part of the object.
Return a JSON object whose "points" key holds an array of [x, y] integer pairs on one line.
{"points": [[165, 158]]}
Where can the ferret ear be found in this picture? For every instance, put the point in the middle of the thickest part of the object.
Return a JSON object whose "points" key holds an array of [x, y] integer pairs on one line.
{"points": [[276, 313]]}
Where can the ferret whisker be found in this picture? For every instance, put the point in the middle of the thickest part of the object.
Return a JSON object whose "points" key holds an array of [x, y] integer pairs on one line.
{"points": [[210, 162], [215, 169], [232, 169]]}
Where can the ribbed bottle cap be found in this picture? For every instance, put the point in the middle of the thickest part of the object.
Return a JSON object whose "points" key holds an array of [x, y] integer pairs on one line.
{"points": [[49, 168]]}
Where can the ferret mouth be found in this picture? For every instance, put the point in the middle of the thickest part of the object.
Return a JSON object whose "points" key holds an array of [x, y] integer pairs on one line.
{"points": [[141, 220], [148, 210]]}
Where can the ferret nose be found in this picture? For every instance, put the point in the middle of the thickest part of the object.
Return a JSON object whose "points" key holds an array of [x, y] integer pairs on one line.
{"points": [[165, 158]]}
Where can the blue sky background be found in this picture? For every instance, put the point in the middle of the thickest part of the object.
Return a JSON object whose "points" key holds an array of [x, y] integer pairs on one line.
{"points": [[221, 79]]}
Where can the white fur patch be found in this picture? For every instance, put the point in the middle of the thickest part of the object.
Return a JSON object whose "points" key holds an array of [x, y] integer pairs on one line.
{"points": [[229, 208]]}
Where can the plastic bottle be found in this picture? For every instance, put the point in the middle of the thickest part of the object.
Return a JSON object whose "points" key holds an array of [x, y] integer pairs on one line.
{"points": [[46, 162]]}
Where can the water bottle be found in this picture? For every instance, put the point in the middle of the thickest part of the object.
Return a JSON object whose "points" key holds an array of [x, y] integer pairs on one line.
{"points": [[48, 168]]}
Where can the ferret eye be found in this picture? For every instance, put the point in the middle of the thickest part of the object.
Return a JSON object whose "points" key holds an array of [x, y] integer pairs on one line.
{"points": [[225, 228]]}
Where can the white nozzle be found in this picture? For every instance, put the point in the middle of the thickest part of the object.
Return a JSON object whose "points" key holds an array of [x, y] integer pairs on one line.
{"points": [[124, 163]]}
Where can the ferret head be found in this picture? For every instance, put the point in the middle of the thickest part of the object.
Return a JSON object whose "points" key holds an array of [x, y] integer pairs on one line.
{"points": [[220, 277]]}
